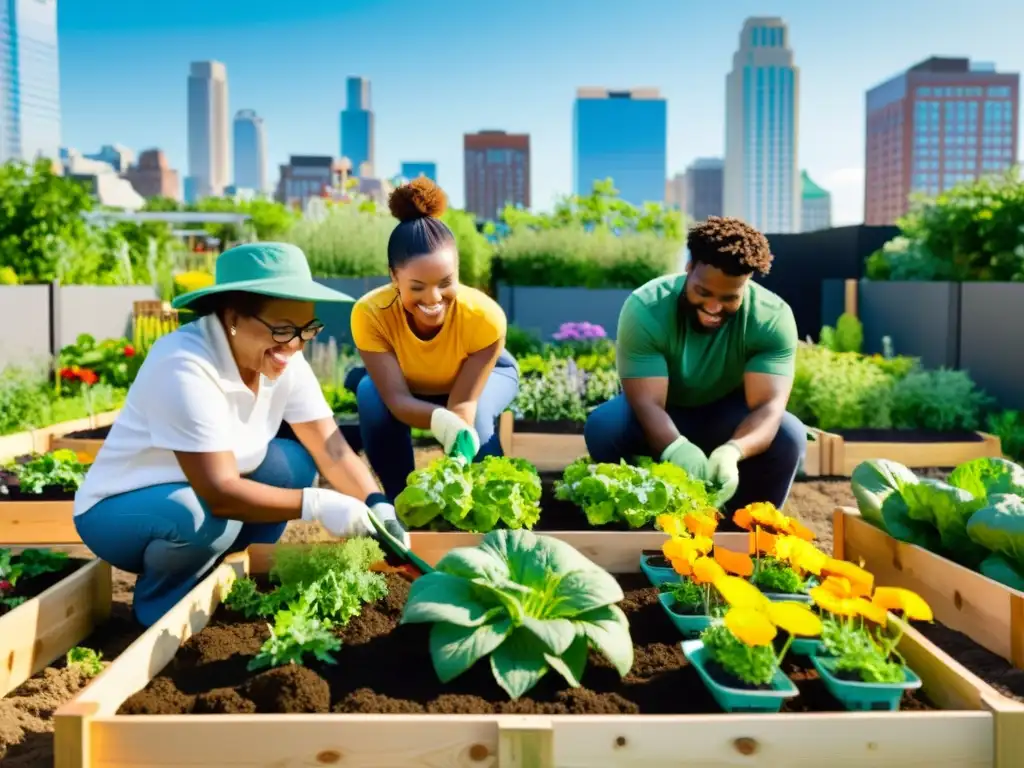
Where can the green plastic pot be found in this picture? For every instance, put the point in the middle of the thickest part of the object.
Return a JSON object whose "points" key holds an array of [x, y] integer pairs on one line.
{"points": [[859, 696], [805, 646], [782, 597], [656, 575], [739, 699], [690, 626]]}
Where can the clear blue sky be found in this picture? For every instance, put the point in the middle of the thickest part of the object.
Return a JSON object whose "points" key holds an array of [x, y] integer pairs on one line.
{"points": [[441, 69]]}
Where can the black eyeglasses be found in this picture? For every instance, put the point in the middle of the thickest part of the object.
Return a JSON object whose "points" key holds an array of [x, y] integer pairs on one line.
{"points": [[283, 334]]}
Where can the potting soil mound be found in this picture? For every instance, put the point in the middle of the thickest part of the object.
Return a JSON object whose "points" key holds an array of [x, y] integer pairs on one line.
{"points": [[386, 668]]}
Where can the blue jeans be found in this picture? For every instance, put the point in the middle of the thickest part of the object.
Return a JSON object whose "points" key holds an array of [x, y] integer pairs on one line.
{"points": [[387, 442], [612, 432], [166, 534]]}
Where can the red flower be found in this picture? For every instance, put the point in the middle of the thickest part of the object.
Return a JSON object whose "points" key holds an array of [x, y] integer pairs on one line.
{"points": [[129, 350], [68, 373], [87, 376], [5, 586]]}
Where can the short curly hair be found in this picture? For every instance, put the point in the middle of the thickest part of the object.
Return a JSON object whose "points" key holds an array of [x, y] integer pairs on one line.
{"points": [[731, 245]]}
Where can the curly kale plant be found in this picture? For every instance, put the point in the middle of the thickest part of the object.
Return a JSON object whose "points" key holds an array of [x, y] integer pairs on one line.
{"points": [[531, 603]]}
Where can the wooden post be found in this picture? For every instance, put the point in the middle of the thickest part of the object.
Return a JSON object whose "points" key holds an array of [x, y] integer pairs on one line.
{"points": [[850, 298], [525, 742], [506, 425]]}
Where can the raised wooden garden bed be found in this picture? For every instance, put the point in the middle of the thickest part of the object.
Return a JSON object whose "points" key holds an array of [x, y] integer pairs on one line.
{"points": [[48, 438], [989, 613], [86, 440], [965, 724], [550, 446], [832, 454], [37, 522], [54, 621]]}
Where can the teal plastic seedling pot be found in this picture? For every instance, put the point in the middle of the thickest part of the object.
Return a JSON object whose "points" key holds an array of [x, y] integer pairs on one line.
{"points": [[860, 696], [739, 699], [690, 626], [656, 575], [805, 646]]}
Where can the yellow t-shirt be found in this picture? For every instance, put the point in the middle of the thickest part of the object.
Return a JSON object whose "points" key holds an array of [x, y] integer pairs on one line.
{"points": [[474, 321]]}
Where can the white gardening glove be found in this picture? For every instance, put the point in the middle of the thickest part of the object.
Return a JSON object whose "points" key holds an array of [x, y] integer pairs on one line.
{"points": [[343, 516], [384, 511], [454, 434]]}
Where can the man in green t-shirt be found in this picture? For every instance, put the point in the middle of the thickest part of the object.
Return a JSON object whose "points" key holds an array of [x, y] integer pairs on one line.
{"points": [[706, 360]]}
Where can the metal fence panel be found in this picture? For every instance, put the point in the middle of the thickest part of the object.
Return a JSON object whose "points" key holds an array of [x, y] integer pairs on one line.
{"points": [[991, 319], [922, 319], [25, 324]]}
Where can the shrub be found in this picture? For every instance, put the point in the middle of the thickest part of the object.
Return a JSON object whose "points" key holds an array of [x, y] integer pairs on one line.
{"points": [[942, 400], [346, 242], [475, 251], [840, 390], [847, 336], [572, 256]]}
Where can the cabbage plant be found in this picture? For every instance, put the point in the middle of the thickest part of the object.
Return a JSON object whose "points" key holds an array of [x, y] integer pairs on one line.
{"points": [[531, 603]]}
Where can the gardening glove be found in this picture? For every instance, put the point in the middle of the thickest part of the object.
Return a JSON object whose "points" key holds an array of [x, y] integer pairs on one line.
{"points": [[687, 456], [342, 516], [456, 436], [384, 511], [724, 471]]}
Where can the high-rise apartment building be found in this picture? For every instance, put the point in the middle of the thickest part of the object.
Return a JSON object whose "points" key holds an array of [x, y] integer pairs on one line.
{"points": [[250, 140], [675, 192], [118, 157], [208, 133], [621, 135], [816, 205], [762, 120], [30, 119], [703, 187], [357, 127], [415, 170], [943, 122], [153, 176], [497, 168]]}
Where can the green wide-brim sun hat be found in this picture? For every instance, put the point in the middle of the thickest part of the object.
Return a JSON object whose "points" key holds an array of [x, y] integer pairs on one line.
{"points": [[278, 270]]}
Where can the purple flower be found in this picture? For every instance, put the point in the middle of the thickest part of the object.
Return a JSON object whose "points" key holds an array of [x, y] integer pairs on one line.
{"points": [[579, 332]]}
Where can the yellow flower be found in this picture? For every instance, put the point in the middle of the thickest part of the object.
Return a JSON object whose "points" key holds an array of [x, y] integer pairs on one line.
{"points": [[736, 563], [800, 554], [750, 626], [910, 603], [861, 581], [671, 525], [871, 611], [700, 525], [795, 618], [761, 514], [85, 458], [740, 593], [706, 571], [828, 600]]}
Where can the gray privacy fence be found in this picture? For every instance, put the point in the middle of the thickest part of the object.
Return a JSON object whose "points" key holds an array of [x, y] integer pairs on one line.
{"points": [[540, 310], [967, 326], [37, 320]]}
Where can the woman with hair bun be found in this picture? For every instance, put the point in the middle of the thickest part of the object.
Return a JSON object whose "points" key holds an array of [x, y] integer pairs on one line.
{"points": [[434, 350]]}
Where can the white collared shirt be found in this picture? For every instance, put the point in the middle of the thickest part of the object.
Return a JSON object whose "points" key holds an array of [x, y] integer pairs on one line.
{"points": [[189, 396]]}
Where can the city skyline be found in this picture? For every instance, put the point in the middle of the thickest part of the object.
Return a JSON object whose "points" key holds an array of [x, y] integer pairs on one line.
{"points": [[529, 90]]}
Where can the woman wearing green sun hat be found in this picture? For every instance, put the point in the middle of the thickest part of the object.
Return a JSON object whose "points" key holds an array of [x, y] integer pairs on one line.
{"points": [[192, 469]]}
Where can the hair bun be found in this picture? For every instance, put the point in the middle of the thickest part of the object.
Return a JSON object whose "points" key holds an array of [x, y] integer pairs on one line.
{"points": [[419, 198]]}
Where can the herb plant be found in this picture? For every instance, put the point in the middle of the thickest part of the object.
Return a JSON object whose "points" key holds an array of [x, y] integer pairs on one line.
{"points": [[86, 659], [319, 587], [531, 603], [636, 495], [448, 494]]}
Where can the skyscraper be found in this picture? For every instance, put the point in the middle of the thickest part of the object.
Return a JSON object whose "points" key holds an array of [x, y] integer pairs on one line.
{"points": [[943, 122], [703, 188], [30, 119], [497, 168], [357, 127], [413, 170], [208, 136], [250, 151], [816, 205], [621, 135], [762, 120]]}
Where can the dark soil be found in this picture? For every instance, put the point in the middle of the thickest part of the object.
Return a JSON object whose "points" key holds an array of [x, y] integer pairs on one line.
{"points": [[10, 490], [100, 433], [385, 668], [560, 427], [907, 436], [993, 669], [30, 587]]}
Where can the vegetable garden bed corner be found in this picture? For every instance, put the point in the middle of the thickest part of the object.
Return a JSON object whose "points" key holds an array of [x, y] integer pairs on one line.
{"points": [[53, 622], [989, 613], [975, 727], [832, 455]]}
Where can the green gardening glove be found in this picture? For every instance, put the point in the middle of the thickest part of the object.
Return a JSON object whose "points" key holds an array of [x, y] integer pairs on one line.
{"points": [[687, 456], [457, 438], [724, 471]]}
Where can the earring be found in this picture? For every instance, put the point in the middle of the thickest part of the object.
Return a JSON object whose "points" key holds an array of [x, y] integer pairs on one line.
{"points": [[233, 330]]}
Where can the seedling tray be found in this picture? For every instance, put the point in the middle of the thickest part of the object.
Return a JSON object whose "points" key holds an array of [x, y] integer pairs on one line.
{"points": [[975, 727]]}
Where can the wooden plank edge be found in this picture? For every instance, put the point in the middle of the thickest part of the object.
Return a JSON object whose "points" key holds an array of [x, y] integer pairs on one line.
{"points": [[40, 440], [39, 523], [93, 582]]}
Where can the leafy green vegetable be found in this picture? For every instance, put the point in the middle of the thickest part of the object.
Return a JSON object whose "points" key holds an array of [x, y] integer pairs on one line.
{"points": [[609, 493], [947, 508], [878, 485], [755, 664], [999, 528], [983, 477], [62, 469], [86, 659], [855, 650], [294, 635], [449, 494], [532, 603]]}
